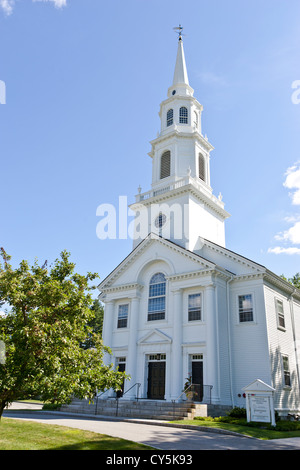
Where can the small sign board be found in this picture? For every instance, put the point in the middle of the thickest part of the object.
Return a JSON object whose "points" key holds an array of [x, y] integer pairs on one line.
{"points": [[259, 402]]}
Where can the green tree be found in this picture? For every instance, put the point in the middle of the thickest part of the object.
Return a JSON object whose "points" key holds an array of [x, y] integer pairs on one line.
{"points": [[96, 323], [46, 323], [295, 280]]}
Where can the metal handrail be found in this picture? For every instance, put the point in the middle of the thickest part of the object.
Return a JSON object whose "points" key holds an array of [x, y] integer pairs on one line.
{"points": [[183, 392], [192, 385], [137, 397], [97, 396], [138, 384]]}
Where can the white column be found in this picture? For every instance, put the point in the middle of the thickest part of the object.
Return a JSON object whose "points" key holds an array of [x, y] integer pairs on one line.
{"points": [[211, 341], [176, 371], [132, 347], [108, 325]]}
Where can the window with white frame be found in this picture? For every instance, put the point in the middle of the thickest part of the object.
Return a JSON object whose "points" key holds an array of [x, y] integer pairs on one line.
{"points": [[170, 117], [157, 297], [286, 371], [194, 307], [280, 313], [183, 115], [122, 316], [245, 308]]}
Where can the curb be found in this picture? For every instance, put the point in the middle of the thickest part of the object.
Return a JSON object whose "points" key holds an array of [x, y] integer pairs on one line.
{"points": [[149, 422]]}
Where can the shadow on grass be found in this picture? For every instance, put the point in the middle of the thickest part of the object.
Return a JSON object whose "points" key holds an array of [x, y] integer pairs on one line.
{"points": [[108, 445]]}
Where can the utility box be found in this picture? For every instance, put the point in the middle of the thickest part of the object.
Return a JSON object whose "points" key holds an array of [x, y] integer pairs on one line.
{"points": [[260, 402]]}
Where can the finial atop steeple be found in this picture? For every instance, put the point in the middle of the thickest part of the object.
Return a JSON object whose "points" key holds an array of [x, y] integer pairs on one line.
{"points": [[180, 74], [178, 30]]}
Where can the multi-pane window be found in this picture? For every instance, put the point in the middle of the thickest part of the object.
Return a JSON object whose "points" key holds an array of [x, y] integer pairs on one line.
{"points": [[170, 117], [280, 313], [194, 307], [183, 115], [157, 297], [286, 371], [123, 316], [245, 308], [165, 164], [201, 163]]}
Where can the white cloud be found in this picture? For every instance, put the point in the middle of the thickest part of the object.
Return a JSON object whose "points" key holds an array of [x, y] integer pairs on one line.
{"points": [[292, 181], [291, 236], [7, 6], [57, 3], [287, 251]]}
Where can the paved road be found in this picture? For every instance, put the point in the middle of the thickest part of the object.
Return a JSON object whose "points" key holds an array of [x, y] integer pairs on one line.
{"points": [[160, 437]]}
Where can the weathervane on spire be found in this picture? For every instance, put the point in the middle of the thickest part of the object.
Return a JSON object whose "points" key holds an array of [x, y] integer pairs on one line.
{"points": [[178, 30]]}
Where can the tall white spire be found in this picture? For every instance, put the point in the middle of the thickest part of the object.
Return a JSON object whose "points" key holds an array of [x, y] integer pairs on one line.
{"points": [[180, 73], [180, 84]]}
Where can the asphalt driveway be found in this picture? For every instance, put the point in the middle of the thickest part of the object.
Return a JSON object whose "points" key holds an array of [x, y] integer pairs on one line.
{"points": [[157, 435]]}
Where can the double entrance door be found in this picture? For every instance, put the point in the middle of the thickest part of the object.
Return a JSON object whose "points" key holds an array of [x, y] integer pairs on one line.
{"points": [[156, 380]]}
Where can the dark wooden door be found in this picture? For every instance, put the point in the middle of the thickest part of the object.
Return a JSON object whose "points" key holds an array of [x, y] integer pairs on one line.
{"points": [[197, 380], [156, 380]]}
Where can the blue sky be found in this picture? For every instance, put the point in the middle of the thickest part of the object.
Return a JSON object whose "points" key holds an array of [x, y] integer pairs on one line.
{"points": [[84, 80]]}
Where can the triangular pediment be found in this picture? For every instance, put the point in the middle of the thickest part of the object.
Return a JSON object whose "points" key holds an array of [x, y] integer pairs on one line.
{"points": [[151, 248], [155, 336], [258, 386]]}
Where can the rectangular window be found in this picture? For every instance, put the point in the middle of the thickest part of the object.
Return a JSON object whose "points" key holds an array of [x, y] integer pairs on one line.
{"points": [[286, 371], [156, 308], [245, 308], [123, 316], [194, 307], [280, 313]]}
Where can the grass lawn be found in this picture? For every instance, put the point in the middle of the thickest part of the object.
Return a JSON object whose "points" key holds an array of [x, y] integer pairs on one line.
{"points": [[28, 435], [256, 432]]}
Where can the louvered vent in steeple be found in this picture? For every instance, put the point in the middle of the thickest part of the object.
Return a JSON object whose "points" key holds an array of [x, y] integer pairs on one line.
{"points": [[165, 164]]}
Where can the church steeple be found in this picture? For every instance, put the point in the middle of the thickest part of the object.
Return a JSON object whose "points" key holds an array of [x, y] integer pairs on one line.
{"points": [[180, 73], [180, 84], [181, 171]]}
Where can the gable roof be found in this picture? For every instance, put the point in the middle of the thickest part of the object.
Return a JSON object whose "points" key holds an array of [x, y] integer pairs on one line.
{"points": [[140, 248], [256, 268]]}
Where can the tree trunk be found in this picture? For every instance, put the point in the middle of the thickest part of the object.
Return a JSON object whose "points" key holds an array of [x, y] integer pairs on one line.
{"points": [[3, 404]]}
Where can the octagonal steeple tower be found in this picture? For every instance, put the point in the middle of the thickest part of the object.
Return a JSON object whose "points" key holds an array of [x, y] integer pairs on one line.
{"points": [[180, 172]]}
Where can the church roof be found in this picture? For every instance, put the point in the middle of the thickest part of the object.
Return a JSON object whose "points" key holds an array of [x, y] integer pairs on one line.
{"points": [[255, 269]]}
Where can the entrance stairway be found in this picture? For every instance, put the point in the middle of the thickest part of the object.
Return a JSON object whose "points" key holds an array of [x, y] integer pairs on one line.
{"points": [[143, 409]]}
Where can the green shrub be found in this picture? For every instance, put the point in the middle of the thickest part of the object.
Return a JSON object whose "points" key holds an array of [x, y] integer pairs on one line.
{"points": [[52, 406], [237, 412]]}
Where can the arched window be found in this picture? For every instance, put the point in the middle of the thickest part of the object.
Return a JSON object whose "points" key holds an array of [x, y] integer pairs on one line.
{"points": [[183, 115], [201, 163], [170, 117], [157, 297], [165, 164]]}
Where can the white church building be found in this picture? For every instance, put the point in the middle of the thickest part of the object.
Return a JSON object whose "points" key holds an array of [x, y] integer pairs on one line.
{"points": [[181, 306]]}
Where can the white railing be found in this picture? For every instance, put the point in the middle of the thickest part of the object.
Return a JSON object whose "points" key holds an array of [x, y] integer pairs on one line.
{"points": [[201, 186]]}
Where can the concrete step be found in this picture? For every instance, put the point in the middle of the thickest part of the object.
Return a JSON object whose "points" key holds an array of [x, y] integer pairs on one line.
{"points": [[147, 409]]}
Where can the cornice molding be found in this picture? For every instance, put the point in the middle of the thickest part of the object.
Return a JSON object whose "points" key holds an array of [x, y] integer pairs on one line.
{"points": [[188, 188], [195, 134]]}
